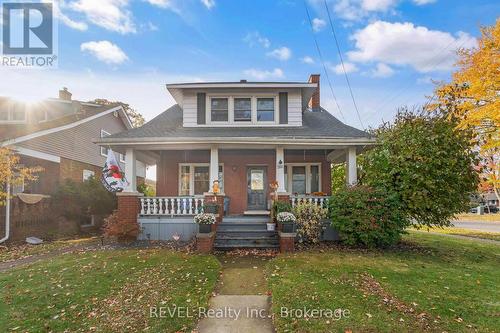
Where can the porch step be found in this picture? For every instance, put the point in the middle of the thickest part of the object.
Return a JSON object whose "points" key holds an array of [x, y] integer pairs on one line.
{"points": [[246, 243], [246, 246], [256, 213], [245, 232], [245, 219]]}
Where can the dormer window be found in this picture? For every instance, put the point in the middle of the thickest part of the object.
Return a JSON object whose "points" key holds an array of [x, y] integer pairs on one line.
{"points": [[219, 109], [265, 109], [242, 109]]}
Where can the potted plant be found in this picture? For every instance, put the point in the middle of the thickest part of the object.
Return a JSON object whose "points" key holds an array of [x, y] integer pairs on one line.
{"points": [[204, 221], [287, 221]]}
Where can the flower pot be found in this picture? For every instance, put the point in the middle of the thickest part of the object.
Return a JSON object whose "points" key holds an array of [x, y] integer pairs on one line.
{"points": [[271, 226], [288, 227], [204, 228]]}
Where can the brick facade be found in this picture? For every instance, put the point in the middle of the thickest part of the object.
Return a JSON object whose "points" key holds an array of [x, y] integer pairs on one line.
{"points": [[70, 169], [287, 242], [235, 164]]}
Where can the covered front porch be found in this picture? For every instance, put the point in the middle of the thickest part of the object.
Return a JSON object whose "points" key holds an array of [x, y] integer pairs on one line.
{"points": [[245, 175]]}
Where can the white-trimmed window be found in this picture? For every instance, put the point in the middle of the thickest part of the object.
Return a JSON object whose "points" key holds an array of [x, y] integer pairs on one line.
{"points": [[244, 109], [219, 109], [194, 178], [302, 178], [122, 158], [87, 174], [104, 150], [15, 114]]}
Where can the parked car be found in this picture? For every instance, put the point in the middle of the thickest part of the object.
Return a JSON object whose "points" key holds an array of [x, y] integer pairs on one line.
{"points": [[486, 209]]}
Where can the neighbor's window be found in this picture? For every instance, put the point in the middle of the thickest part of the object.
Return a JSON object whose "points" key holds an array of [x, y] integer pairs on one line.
{"points": [[242, 109], [87, 174], [219, 109], [104, 150], [195, 179], [13, 113], [122, 158]]}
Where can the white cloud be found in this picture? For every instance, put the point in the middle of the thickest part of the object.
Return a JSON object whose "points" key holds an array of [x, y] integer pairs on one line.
{"points": [[208, 3], [105, 51], [307, 60], [423, 2], [253, 38], [112, 15], [318, 24], [382, 70], [349, 68], [82, 26], [281, 53], [264, 74], [354, 10], [407, 44]]}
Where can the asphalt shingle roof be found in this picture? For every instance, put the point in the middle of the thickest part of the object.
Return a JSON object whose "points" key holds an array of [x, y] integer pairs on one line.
{"points": [[319, 124]]}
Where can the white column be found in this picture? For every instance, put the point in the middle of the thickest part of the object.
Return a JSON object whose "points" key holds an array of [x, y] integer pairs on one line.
{"points": [[214, 166], [130, 170], [280, 169], [352, 168]]}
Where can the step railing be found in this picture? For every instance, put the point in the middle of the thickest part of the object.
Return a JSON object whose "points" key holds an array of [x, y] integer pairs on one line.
{"points": [[316, 199], [173, 206]]}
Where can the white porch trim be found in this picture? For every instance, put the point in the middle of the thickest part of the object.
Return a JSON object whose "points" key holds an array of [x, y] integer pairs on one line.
{"points": [[214, 166], [352, 168], [280, 169], [131, 170]]}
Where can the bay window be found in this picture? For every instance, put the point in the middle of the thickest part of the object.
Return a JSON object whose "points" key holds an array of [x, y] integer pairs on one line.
{"points": [[194, 179]]}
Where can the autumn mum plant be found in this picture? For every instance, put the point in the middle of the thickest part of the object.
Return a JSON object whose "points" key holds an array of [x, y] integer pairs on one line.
{"points": [[287, 220], [204, 221]]}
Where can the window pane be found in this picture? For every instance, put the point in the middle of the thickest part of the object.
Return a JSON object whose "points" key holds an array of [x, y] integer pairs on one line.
{"points": [[201, 179], [314, 178], [242, 109], [219, 109], [184, 180], [4, 115], [265, 109], [286, 178], [299, 179], [257, 180]]}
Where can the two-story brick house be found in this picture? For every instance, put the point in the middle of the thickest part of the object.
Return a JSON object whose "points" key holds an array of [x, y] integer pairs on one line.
{"points": [[245, 135]]}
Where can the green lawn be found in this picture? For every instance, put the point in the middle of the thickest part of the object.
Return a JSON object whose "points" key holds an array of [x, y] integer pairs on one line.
{"points": [[106, 291], [430, 282], [465, 232]]}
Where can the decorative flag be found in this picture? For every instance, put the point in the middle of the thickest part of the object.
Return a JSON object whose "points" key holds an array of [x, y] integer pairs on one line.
{"points": [[113, 178]]}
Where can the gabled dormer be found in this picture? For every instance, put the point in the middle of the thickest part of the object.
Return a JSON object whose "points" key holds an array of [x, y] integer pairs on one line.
{"points": [[245, 104]]}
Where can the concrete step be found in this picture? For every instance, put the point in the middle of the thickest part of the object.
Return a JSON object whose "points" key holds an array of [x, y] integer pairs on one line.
{"points": [[246, 232], [246, 241], [245, 237], [246, 246], [241, 226], [245, 219]]}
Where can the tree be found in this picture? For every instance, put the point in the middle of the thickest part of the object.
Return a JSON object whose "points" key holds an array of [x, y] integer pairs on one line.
{"points": [[473, 97], [11, 172], [427, 160], [136, 118]]}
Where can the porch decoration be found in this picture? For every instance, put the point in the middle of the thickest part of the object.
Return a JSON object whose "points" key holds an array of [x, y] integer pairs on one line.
{"points": [[287, 220], [215, 187], [274, 188], [113, 178], [204, 221]]}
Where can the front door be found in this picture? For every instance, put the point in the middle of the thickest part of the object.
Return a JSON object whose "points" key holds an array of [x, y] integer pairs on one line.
{"points": [[256, 188]]}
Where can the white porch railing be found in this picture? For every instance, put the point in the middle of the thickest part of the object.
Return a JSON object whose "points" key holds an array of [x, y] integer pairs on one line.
{"points": [[318, 200], [151, 206]]}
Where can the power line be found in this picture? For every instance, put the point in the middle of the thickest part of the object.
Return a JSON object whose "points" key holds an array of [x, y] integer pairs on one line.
{"points": [[323, 62], [343, 67]]}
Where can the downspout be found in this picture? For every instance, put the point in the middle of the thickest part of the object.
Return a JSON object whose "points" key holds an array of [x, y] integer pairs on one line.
{"points": [[7, 215]]}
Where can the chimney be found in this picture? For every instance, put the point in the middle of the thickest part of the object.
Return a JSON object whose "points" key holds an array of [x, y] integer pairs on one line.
{"points": [[243, 81], [64, 94], [314, 102]]}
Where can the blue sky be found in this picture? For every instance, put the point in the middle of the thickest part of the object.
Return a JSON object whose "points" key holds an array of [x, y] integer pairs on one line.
{"points": [[127, 50]]}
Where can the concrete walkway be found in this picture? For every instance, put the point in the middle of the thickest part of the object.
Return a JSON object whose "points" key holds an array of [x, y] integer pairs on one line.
{"points": [[241, 303]]}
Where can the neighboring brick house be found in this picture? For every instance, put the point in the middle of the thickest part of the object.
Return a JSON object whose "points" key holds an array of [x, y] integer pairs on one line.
{"points": [[57, 134]]}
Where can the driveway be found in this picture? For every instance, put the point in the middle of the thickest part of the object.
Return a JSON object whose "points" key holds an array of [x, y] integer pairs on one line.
{"points": [[481, 226]]}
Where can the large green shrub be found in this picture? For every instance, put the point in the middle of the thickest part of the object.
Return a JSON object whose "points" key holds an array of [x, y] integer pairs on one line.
{"points": [[308, 219], [78, 201], [367, 216], [425, 160]]}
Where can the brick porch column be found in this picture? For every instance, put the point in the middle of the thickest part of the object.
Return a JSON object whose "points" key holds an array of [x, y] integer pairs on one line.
{"points": [[129, 206], [205, 242], [287, 241]]}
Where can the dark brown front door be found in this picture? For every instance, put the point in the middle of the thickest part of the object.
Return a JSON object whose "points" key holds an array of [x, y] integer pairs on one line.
{"points": [[256, 188]]}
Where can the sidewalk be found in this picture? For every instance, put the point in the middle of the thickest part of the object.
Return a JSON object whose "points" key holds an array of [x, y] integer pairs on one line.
{"points": [[241, 298]]}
